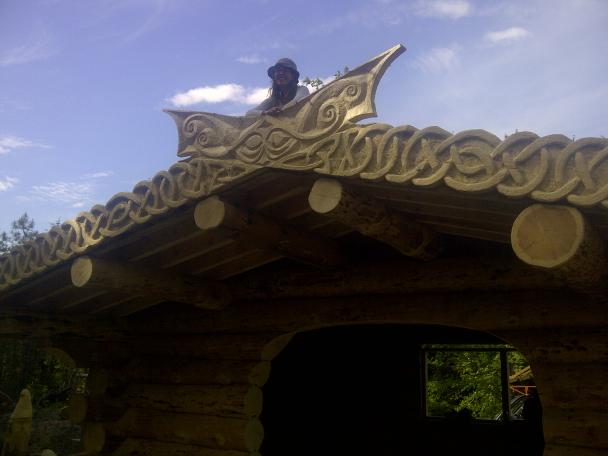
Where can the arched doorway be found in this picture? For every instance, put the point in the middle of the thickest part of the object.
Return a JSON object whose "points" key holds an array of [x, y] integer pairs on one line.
{"points": [[364, 389]]}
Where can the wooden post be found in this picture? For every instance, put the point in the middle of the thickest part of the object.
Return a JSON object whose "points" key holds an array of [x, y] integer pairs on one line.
{"points": [[268, 234], [560, 240], [373, 218], [139, 281]]}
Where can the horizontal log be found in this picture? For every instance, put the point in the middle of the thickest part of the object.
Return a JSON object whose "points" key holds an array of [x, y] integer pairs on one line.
{"points": [[139, 447], [569, 450], [194, 372], [209, 346], [394, 277], [481, 310], [97, 381], [104, 409], [577, 385], [28, 324], [568, 345], [89, 353], [587, 428], [144, 281], [266, 233], [371, 217], [98, 409], [240, 401], [208, 431]]}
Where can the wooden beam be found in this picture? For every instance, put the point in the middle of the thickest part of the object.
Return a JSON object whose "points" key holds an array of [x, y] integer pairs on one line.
{"points": [[266, 233], [37, 325], [373, 218], [234, 401], [141, 281], [395, 277], [560, 240]]}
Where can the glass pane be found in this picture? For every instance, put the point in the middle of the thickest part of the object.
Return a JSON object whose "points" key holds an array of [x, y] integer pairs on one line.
{"points": [[521, 384], [464, 384]]}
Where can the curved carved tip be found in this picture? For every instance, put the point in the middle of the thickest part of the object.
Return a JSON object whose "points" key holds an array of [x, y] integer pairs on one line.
{"points": [[368, 77]]}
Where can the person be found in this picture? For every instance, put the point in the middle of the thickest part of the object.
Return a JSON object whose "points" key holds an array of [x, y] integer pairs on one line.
{"points": [[284, 90]]}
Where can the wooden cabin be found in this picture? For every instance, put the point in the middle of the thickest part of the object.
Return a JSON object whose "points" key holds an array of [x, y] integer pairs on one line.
{"points": [[277, 291]]}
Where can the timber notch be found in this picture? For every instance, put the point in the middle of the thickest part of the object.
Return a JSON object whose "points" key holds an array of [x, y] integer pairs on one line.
{"points": [[271, 231]]}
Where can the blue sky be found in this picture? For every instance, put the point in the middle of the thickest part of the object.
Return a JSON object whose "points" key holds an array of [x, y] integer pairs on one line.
{"points": [[83, 82]]}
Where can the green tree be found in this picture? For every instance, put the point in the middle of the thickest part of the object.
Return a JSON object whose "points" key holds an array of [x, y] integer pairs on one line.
{"points": [[23, 229], [317, 83], [467, 381]]}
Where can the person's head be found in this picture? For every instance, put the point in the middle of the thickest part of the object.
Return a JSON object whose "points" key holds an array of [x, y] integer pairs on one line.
{"points": [[284, 75]]}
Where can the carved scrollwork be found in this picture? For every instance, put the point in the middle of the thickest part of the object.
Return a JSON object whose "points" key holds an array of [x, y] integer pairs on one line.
{"points": [[183, 182], [318, 134]]}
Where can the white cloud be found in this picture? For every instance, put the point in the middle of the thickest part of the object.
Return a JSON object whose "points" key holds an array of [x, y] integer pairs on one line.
{"points": [[438, 59], [7, 183], [506, 36], [10, 143], [452, 9], [256, 96], [76, 194], [36, 50], [98, 175], [218, 94], [250, 59]]}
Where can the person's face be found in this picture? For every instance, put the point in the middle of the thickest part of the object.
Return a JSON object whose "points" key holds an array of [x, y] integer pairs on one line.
{"points": [[283, 76]]}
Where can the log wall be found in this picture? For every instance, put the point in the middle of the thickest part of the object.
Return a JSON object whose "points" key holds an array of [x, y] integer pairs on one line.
{"points": [[191, 383]]}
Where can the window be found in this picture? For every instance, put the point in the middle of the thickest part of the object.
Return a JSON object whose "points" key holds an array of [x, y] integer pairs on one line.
{"points": [[481, 382]]}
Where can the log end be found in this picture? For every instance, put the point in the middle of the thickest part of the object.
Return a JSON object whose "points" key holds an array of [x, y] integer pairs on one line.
{"points": [[209, 213], [325, 195], [547, 236], [254, 435], [260, 374], [254, 400], [81, 271]]}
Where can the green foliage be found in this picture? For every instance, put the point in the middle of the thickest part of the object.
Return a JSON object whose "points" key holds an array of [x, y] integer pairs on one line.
{"points": [[461, 381], [317, 82], [23, 365], [22, 229]]}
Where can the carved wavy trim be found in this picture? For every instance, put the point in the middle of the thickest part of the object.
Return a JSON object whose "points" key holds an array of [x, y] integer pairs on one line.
{"points": [[183, 182], [546, 169]]}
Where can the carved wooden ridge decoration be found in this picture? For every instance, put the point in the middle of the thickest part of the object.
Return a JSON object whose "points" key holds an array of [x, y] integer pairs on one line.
{"points": [[319, 134]]}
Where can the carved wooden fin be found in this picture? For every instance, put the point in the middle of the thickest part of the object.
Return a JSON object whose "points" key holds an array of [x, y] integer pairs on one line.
{"points": [[345, 100], [372, 218], [268, 234]]}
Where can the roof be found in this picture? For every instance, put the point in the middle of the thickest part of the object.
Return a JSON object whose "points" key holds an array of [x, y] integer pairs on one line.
{"points": [[469, 184]]}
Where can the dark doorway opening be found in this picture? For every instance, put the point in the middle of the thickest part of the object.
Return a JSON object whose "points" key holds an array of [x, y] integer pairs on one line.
{"points": [[360, 390]]}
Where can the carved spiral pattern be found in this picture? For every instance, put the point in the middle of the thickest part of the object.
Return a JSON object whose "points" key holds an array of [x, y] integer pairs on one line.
{"points": [[546, 169], [183, 182]]}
